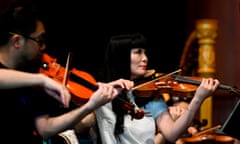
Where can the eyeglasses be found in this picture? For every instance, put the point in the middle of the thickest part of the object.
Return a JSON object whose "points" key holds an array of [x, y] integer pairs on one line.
{"points": [[40, 40]]}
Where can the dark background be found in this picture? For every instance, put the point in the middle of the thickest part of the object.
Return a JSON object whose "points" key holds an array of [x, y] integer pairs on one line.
{"points": [[85, 28]]}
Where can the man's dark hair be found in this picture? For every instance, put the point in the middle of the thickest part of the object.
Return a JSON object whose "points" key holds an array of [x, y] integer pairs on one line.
{"points": [[20, 17]]}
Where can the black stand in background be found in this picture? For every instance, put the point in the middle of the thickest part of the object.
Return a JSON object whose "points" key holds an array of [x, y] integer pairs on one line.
{"points": [[231, 126]]}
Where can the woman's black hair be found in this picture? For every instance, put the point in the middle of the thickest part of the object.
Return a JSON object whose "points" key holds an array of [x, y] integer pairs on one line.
{"points": [[117, 65], [117, 56]]}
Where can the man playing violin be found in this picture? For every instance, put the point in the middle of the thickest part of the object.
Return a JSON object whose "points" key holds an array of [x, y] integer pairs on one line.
{"points": [[32, 113]]}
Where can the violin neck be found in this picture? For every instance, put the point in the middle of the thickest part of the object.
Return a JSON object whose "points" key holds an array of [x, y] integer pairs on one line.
{"points": [[196, 82]]}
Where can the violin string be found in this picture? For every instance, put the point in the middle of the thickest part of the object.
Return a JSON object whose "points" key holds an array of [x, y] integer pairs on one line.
{"points": [[164, 76]]}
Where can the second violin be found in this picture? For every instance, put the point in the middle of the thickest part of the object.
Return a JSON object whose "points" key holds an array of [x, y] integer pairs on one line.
{"points": [[208, 136], [81, 84]]}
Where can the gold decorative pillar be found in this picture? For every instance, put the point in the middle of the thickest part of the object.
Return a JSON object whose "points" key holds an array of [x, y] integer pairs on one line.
{"points": [[206, 32]]}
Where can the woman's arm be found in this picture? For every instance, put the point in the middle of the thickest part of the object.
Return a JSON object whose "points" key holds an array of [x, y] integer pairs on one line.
{"points": [[171, 129]]}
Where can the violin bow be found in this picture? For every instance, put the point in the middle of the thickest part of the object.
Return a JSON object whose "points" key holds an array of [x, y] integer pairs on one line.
{"points": [[66, 73], [207, 130]]}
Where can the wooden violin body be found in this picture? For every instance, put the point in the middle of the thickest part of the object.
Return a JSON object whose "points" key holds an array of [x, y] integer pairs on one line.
{"points": [[179, 86], [80, 84], [209, 138], [166, 85]]}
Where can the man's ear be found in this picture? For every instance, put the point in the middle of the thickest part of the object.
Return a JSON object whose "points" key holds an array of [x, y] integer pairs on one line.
{"points": [[15, 41]]}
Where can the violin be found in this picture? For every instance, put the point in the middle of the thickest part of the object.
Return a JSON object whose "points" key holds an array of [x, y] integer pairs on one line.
{"points": [[208, 135], [80, 84], [183, 86], [161, 83]]}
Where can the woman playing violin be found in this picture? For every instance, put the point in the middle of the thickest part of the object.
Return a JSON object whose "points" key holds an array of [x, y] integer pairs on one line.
{"points": [[126, 58], [30, 113]]}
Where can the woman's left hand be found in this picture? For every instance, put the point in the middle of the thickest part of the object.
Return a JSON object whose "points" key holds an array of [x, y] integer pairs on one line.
{"points": [[122, 83]]}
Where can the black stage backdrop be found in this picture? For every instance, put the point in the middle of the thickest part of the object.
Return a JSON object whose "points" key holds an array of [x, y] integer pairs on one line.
{"points": [[85, 28]]}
